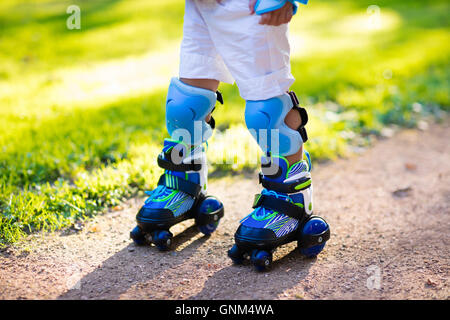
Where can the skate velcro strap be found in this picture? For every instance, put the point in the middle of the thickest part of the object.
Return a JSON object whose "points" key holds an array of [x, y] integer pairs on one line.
{"points": [[303, 115], [310, 240], [219, 97], [303, 133], [276, 204], [212, 122], [286, 187], [294, 98], [169, 165], [177, 183]]}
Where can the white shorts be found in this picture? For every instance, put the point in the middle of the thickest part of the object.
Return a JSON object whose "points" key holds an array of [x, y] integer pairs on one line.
{"points": [[224, 42]]}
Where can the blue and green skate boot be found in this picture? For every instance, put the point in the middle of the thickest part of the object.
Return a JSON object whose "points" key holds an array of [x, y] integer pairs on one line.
{"points": [[282, 213], [180, 195]]}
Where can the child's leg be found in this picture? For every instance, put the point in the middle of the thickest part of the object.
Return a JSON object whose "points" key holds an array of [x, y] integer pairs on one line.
{"points": [[209, 84], [283, 211], [258, 58], [256, 55], [181, 191]]}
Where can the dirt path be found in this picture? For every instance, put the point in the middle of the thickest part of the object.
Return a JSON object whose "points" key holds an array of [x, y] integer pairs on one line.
{"points": [[384, 244]]}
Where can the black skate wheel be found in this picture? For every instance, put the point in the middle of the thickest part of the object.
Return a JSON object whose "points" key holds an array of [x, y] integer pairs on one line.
{"points": [[262, 260], [162, 239], [137, 236], [236, 255]]}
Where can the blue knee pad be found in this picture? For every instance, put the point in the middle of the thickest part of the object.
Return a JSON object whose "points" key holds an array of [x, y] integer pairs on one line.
{"points": [[265, 120], [186, 109]]}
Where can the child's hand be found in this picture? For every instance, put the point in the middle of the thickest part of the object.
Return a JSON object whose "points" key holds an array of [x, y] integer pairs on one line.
{"points": [[276, 17]]}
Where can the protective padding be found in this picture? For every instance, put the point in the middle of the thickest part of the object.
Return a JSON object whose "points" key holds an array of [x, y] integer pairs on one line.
{"points": [[264, 6], [265, 120], [186, 109]]}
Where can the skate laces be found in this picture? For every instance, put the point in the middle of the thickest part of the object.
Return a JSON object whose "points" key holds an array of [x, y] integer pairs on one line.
{"points": [[262, 212], [159, 191]]}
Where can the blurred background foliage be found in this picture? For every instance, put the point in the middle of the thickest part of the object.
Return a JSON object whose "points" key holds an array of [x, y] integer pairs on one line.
{"points": [[82, 111]]}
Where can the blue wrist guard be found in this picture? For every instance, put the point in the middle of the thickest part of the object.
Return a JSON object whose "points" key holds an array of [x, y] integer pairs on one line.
{"points": [[263, 6]]}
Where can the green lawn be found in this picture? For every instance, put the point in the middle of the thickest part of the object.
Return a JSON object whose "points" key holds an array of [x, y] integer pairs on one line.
{"points": [[82, 111]]}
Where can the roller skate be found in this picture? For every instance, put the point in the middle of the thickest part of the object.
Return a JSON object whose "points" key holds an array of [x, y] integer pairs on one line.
{"points": [[180, 195], [282, 214]]}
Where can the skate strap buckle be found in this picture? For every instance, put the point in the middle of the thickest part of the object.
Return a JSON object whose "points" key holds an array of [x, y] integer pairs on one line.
{"points": [[165, 162], [219, 97], [303, 115], [174, 182], [286, 187], [276, 204], [212, 121]]}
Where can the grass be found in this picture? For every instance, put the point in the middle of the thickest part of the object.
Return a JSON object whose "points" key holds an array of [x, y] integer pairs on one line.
{"points": [[82, 111]]}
